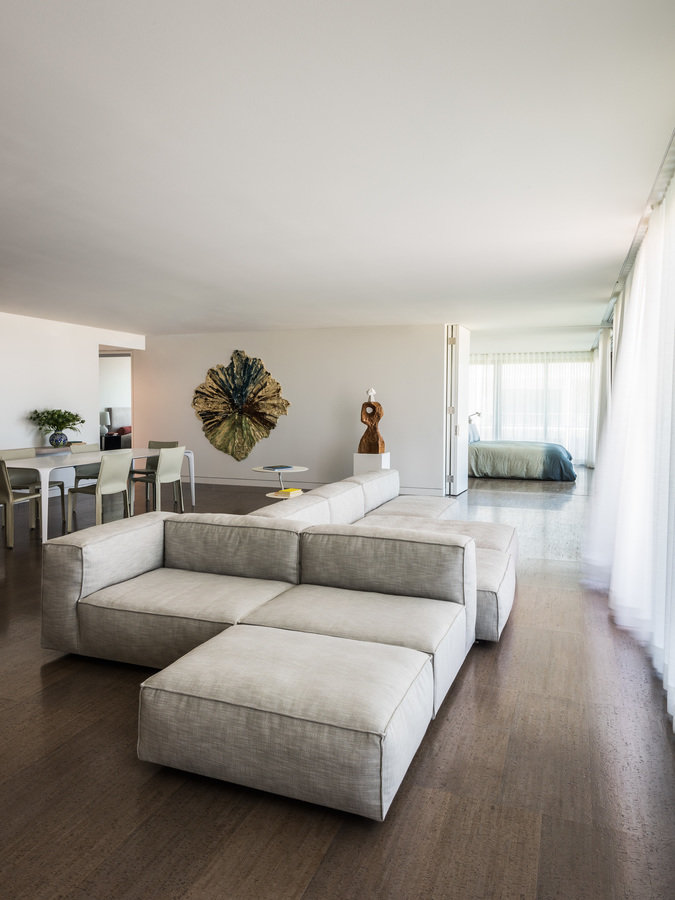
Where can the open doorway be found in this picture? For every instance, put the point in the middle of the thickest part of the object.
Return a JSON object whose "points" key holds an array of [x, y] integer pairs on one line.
{"points": [[115, 399]]}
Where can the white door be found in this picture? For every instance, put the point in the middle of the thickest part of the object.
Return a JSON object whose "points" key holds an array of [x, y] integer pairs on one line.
{"points": [[457, 474]]}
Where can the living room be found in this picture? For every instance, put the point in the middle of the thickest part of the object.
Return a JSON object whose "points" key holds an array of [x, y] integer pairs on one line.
{"points": [[326, 188]]}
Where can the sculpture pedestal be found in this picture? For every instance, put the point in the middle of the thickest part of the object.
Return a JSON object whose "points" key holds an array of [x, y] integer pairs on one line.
{"points": [[370, 462]]}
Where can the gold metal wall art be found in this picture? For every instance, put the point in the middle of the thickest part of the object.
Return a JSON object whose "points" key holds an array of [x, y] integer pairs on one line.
{"points": [[239, 404]]}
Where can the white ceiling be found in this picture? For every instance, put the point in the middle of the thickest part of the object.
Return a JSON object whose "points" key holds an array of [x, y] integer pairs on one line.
{"points": [[172, 166]]}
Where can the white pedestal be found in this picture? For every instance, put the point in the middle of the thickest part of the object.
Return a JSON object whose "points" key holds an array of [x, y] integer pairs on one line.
{"points": [[370, 462]]}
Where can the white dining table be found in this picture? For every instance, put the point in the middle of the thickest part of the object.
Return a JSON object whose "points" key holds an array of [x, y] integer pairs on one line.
{"points": [[46, 464]]}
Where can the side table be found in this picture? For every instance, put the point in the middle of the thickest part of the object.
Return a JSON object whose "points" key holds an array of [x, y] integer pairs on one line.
{"points": [[280, 471]]}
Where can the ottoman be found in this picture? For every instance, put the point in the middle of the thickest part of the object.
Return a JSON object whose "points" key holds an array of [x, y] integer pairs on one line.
{"points": [[324, 719]]}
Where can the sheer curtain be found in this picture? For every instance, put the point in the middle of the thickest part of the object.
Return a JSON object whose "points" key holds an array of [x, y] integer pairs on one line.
{"points": [[534, 397], [630, 547]]}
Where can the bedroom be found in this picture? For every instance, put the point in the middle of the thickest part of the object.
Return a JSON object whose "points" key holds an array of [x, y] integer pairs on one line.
{"points": [[534, 415]]}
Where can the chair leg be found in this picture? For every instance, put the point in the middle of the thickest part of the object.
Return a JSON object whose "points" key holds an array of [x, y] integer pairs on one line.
{"points": [[131, 496], [9, 526], [63, 503], [31, 512], [99, 509], [71, 498], [178, 495], [127, 513]]}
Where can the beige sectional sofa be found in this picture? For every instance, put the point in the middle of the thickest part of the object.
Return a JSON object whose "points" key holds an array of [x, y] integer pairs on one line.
{"points": [[301, 657], [363, 500], [306, 661]]}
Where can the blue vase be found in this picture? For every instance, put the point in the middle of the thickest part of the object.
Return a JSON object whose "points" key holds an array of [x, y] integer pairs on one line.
{"points": [[58, 439]]}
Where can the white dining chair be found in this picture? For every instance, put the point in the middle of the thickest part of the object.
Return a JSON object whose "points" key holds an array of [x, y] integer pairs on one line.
{"points": [[112, 479], [9, 498], [169, 464], [27, 480], [88, 472], [150, 467]]}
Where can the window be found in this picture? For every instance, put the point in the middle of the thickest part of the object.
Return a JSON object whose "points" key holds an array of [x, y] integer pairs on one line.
{"points": [[534, 397]]}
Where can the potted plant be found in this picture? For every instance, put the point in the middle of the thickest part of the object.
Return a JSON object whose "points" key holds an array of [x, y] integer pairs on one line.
{"points": [[56, 421]]}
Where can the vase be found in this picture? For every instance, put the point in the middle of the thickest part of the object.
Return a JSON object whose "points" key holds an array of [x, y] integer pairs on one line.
{"points": [[58, 439]]}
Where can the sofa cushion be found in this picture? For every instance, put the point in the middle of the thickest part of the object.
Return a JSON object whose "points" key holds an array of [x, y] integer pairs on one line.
{"points": [[318, 718], [412, 505], [430, 626], [390, 561], [378, 487], [252, 547], [490, 535], [309, 508], [154, 618], [345, 501]]}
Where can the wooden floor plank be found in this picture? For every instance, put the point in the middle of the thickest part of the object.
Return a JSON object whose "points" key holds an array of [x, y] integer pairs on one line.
{"points": [[435, 845], [548, 761], [470, 733]]}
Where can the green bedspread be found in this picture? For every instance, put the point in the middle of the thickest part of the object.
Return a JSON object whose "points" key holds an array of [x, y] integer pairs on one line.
{"points": [[520, 459]]}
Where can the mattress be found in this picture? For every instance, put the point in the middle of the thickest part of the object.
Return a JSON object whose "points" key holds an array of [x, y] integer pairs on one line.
{"points": [[520, 459]]}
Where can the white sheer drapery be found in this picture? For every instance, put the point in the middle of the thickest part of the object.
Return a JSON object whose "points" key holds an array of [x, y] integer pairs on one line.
{"points": [[601, 391], [630, 547], [534, 397]]}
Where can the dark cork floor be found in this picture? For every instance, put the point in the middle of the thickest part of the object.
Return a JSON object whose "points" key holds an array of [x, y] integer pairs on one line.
{"points": [[548, 773]]}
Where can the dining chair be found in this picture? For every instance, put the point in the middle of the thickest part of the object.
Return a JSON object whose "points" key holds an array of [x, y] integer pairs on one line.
{"points": [[169, 464], [90, 471], [10, 498], [112, 479], [148, 469], [27, 480]]}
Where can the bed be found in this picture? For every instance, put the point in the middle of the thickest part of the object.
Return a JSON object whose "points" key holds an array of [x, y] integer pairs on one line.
{"points": [[520, 459]]}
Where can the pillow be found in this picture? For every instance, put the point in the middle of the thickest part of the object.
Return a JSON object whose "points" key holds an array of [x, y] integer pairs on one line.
{"points": [[474, 437], [125, 429]]}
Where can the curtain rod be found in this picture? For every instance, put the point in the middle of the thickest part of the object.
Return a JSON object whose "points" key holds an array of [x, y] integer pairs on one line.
{"points": [[656, 195]]}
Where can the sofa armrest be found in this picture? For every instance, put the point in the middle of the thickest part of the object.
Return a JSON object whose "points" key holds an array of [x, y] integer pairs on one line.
{"points": [[76, 565]]}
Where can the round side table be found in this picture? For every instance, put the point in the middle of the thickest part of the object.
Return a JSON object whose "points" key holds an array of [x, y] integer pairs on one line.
{"points": [[280, 471]]}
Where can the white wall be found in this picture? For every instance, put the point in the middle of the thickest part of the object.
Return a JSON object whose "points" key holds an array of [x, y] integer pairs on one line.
{"points": [[324, 373], [54, 365], [114, 381]]}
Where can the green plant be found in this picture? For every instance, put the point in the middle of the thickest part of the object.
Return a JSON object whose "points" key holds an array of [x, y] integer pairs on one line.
{"points": [[48, 420]]}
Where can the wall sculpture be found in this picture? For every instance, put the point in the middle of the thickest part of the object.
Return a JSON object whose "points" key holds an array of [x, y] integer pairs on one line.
{"points": [[239, 404]]}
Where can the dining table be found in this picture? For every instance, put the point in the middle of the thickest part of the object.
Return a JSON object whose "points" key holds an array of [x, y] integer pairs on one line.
{"points": [[47, 463]]}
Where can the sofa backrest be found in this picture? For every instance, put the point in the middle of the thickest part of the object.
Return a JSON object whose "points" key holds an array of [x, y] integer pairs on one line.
{"points": [[378, 487], [345, 502], [337, 503], [305, 508], [221, 544], [390, 561]]}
